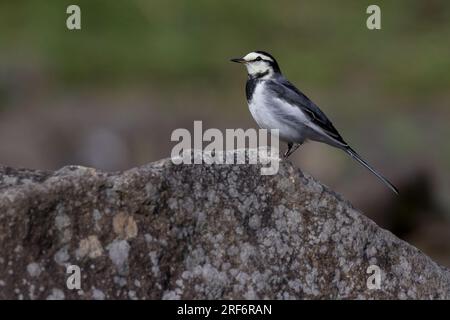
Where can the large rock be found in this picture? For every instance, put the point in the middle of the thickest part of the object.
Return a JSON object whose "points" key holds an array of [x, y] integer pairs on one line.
{"points": [[197, 231]]}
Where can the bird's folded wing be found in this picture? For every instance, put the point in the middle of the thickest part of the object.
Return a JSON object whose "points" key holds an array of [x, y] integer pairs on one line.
{"points": [[285, 90]]}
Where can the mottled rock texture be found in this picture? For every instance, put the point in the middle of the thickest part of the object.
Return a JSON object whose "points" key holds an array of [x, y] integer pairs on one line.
{"points": [[165, 231]]}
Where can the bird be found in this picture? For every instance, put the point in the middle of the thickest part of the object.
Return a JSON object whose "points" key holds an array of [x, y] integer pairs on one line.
{"points": [[275, 103]]}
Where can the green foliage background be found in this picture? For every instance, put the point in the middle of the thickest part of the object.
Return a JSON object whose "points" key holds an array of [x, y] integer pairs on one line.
{"points": [[169, 42]]}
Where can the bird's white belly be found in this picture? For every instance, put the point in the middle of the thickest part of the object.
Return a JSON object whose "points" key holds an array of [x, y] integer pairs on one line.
{"points": [[267, 117]]}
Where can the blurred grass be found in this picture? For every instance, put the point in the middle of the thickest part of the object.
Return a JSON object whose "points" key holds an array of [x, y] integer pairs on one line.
{"points": [[181, 48], [171, 42]]}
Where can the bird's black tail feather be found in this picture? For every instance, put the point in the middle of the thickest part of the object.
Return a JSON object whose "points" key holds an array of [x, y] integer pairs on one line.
{"points": [[357, 157]]}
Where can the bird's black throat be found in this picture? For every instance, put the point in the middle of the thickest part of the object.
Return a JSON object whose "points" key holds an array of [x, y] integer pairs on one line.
{"points": [[250, 87], [258, 75], [252, 82]]}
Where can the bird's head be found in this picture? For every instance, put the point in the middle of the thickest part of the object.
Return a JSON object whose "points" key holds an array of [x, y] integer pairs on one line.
{"points": [[259, 64]]}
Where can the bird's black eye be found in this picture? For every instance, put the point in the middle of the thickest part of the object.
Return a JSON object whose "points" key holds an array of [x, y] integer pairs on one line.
{"points": [[258, 59]]}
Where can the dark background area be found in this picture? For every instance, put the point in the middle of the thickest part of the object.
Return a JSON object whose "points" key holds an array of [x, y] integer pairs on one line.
{"points": [[109, 95]]}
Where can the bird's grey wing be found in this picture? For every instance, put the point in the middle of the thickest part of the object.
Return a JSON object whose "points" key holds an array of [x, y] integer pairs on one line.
{"points": [[285, 90]]}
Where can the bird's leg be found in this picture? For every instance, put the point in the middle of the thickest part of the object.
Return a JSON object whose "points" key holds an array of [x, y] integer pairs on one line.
{"points": [[291, 149], [286, 154]]}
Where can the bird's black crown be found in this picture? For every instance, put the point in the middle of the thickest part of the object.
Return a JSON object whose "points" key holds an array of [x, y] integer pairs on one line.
{"points": [[273, 63]]}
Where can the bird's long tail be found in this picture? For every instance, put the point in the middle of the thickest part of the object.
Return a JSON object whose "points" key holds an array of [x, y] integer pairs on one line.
{"points": [[357, 157]]}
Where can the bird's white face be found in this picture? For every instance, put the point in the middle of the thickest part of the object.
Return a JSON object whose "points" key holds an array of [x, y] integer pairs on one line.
{"points": [[257, 64]]}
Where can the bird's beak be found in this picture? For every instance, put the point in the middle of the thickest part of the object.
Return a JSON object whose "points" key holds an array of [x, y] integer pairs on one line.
{"points": [[238, 60]]}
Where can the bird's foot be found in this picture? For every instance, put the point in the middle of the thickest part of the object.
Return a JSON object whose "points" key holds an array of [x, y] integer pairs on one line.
{"points": [[291, 149]]}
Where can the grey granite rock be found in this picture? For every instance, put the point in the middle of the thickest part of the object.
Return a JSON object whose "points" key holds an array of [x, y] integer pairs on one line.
{"points": [[165, 231]]}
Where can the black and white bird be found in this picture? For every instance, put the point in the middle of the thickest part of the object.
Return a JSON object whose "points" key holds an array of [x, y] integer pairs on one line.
{"points": [[275, 103]]}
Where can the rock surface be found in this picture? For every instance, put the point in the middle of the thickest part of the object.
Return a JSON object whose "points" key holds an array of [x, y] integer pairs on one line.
{"points": [[165, 231]]}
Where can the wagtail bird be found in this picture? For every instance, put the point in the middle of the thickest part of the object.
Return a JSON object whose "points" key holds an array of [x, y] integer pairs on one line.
{"points": [[275, 103]]}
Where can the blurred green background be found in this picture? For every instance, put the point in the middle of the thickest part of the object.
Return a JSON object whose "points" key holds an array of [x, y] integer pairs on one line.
{"points": [[110, 94]]}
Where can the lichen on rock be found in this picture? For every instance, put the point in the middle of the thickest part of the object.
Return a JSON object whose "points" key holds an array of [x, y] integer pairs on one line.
{"points": [[165, 231]]}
